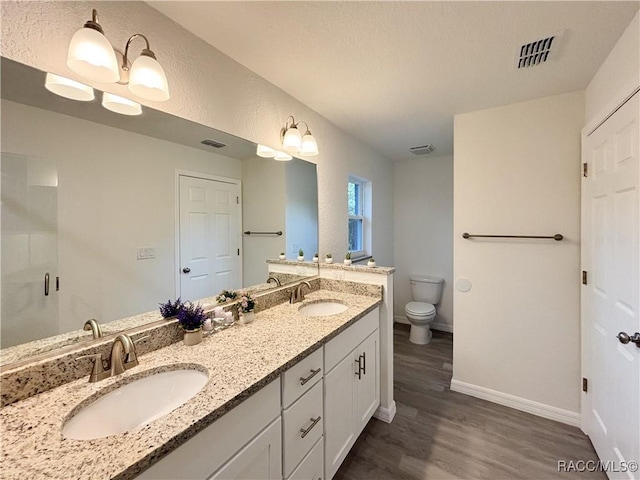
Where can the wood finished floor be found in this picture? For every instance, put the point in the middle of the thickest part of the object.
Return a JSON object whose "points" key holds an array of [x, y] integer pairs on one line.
{"points": [[440, 434]]}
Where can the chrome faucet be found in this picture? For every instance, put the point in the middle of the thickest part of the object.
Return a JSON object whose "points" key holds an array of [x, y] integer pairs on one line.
{"points": [[297, 294], [276, 280], [123, 357], [93, 325]]}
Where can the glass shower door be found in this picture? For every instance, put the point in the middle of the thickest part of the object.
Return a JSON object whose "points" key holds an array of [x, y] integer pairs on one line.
{"points": [[29, 253]]}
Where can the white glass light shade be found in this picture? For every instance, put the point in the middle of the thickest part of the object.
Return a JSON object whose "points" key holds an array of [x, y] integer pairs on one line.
{"points": [[265, 152], [92, 56], [282, 157], [292, 140], [67, 88], [309, 146], [148, 80], [121, 105]]}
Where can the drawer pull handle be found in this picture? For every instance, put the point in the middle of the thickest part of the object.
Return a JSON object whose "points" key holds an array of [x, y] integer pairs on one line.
{"points": [[313, 374], [314, 422], [359, 371], [364, 363]]}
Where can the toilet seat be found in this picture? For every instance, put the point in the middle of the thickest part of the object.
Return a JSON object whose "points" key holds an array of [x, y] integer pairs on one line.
{"points": [[420, 309]]}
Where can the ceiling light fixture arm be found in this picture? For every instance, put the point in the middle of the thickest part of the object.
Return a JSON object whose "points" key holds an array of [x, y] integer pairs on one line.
{"points": [[93, 23], [145, 51]]}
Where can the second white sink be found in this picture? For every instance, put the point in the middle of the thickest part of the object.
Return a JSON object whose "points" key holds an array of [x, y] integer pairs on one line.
{"points": [[134, 404], [322, 309]]}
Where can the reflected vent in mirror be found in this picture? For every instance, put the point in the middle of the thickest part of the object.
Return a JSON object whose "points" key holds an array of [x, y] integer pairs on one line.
{"points": [[422, 149], [212, 143]]}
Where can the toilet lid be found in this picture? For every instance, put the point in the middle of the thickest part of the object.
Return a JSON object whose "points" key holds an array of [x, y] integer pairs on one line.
{"points": [[420, 308]]}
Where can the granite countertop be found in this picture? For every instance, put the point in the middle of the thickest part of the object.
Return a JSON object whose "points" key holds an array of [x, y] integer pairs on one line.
{"points": [[239, 361]]}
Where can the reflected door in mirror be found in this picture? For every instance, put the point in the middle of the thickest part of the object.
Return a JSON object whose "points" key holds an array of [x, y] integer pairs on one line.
{"points": [[209, 237]]}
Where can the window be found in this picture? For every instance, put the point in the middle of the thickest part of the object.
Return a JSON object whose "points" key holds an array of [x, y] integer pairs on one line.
{"points": [[359, 211]]}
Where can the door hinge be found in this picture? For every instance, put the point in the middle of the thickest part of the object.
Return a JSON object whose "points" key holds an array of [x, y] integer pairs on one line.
{"points": [[585, 384], [584, 277], [585, 169], [238, 251]]}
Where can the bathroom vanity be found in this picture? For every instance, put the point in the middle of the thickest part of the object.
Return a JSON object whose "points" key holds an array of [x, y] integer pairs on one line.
{"points": [[287, 397]]}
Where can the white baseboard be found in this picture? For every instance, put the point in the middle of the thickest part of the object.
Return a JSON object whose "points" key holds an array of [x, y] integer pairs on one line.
{"points": [[386, 414], [529, 406], [443, 327]]}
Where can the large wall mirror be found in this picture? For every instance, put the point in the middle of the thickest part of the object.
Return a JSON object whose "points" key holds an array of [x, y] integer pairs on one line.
{"points": [[105, 215]]}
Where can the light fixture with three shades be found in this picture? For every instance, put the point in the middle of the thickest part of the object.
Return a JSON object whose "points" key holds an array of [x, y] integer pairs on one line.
{"points": [[92, 56]]}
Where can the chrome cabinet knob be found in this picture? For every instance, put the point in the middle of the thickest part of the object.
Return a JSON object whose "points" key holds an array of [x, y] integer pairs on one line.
{"points": [[625, 338]]}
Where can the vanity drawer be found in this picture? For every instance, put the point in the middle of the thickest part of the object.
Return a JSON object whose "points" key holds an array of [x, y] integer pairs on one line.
{"points": [[301, 377], [302, 427], [312, 467]]}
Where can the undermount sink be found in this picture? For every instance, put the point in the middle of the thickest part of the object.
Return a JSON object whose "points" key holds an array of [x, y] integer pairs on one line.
{"points": [[134, 404], [323, 308]]}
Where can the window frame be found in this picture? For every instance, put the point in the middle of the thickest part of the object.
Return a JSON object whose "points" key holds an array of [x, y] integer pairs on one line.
{"points": [[363, 215]]}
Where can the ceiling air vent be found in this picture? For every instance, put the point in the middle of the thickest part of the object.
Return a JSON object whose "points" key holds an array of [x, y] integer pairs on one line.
{"points": [[212, 143], [422, 150], [537, 52]]}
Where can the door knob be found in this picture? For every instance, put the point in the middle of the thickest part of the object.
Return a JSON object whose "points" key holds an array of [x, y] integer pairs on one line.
{"points": [[625, 338], [186, 270]]}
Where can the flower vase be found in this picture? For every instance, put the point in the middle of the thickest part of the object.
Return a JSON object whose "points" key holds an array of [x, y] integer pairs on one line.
{"points": [[248, 317], [328, 260], [282, 257], [371, 264], [192, 337], [347, 262]]}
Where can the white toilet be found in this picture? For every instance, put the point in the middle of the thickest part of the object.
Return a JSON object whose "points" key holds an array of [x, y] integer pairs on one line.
{"points": [[425, 292]]}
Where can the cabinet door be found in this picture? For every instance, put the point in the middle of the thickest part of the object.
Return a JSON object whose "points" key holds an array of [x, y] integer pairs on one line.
{"points": [[367, 385], [339, 397], [261, 459]]}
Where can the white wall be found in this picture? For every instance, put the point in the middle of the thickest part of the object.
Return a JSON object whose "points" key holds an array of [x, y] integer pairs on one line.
{"points": [[517, 171], [260, 199], [210, 88], [619, 71], [116, 193], [423, 212]]}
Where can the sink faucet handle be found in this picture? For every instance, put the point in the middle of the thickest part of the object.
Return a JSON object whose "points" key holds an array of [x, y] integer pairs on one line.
{"points": [[144, 337], [132, 357], [98, 371]]}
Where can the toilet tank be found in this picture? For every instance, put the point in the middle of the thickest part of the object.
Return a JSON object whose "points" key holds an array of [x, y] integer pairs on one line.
{"points": [[426, 289]]}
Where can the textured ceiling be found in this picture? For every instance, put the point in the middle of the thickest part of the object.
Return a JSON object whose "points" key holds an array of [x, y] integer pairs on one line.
{"points": [[393, 74]]}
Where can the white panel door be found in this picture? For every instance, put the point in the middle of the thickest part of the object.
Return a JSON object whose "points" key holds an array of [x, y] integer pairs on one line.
{"points": [[339, 397], [261, 459], [209, 233], [368, 382], [611, 251]]}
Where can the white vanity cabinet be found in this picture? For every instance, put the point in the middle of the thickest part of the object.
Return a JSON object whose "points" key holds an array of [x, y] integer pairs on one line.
{"points": [[351, 388], [244, 443], [299, 427]]}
